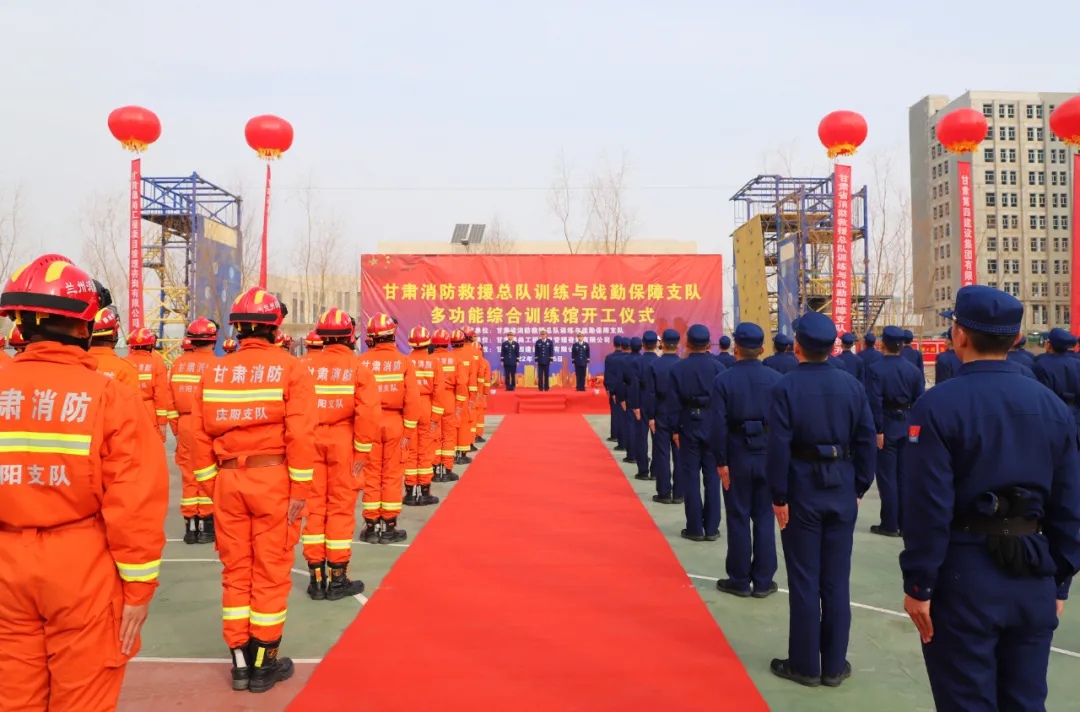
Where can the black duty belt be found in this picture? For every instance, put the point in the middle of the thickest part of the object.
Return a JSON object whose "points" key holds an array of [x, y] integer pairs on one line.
{"points": [[893, 405], [814, 454], [697, 402], [738, 427], [996, 526]]}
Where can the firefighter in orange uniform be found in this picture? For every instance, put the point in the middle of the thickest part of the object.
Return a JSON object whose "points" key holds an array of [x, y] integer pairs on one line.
{"points": [[483, 383], [284, 341], [186, 345], [153, 378], [196, 503], [384, 475], [467, 371], [102, 347], [455, 396], [16, 341], [312, 342], [429, 382], [85, 490], [349, 411], [229, 346]]}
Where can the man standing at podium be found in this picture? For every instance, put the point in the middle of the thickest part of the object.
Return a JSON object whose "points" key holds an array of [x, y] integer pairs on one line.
{"points": [[544, 350], [579, 354], [511, 352]]}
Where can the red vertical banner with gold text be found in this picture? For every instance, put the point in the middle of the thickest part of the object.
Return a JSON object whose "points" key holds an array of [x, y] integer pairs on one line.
{"points": [[841, 281], [1074, 293], [135, 257], [968, 273]]}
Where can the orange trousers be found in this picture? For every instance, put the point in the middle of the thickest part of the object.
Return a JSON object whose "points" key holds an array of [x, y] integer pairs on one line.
{"points": [[152, 412], [60, 605], [481, 413], [330, 512], [195, 501], [255, 544], [384, 473], [448, 435], [467, 426]]}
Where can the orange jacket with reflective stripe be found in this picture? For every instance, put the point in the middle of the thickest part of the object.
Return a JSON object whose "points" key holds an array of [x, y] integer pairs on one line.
{"points": [[185, 375], [76, 444], [346, 392], [257, 401], [456, 390], [483, 374], [116, 368], [395, 377], [429, 380], [154, 382]]}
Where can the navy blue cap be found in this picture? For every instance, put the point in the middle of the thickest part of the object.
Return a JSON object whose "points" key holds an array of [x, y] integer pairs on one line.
{"points": [[649, 337], [1022, 341], [948, 334], [671, 336], [635, 343], [782, 340], [847, 339], [815, 332], [870, 338], [988, 310], [1062, 340], [947, 314], [893, 335], [795, 324], [616, 340], [621, 341], [725, 342], [749, 335], [908, 336], [698, 335]]}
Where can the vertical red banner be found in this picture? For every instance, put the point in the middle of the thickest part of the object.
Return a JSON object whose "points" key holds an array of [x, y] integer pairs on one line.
{"points": [[266, 227], [841, 281], [135, 258], [1074, 287], [968, 273]]}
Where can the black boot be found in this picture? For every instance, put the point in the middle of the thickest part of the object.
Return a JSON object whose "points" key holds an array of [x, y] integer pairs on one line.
{"points": [[267, 668], [449, 476], [437, 473], [317, 587], [241, 669], [391, 534], [411, 498], [206, 530], [473, 448], [340, 585], [425, 497], [191, 530], [463, 459], [481, 439], [370, 534]]}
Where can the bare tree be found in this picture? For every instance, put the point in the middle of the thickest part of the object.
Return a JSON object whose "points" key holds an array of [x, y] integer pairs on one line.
{"points": [[499, 238], [891, 270], [103, 222], [250, 237], [317, 254], [564, 203], [11, 229], [613, 219]]}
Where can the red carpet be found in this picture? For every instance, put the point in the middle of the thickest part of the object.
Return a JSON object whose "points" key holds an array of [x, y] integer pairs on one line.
{"points": [[540, 584], [557, 400]]}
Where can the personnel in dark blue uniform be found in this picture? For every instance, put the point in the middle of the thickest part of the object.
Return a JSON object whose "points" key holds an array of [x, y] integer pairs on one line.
{"points": [[662, 413], [510, 355], [692, 380], [1019, 353], [852, 362], [820, 462], [649, 356], [637, 450], [739, 400], [725, 356], [993, 526], [543, 352], [626, 432], [579, 356], [912, 354], [947, 364], [783, 360], [611, 378], [1058, 371], [869, 354], [893, 386]]}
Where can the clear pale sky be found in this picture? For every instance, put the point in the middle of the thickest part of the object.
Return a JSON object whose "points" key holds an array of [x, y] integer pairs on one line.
{"points": [[414, 116]]}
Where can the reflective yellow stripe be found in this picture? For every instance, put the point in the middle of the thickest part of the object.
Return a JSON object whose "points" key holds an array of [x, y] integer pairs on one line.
{"points": [[448, 369], [467, 363], [205, 500], [58, 443], [425, 374], [410, 471], [472, 389], [189, 501], [186, 378], [372, 505], [146, 376], [301, 475], [161, 413], [174, 414], [437, 410], [243, 396], [391, 506], [410, 423], [389, 377], [267, 619], [139, 572], [461, 398], [206, 473], [308, 539], [238, 613], [338, 544], [334, 390], [361, 447]]}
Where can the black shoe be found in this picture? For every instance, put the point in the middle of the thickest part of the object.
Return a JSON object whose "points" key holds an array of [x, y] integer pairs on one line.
{"points": [[835, 680], [685, 534], [437, 474], [677, 500], [481, 439], [712, 537], [780, 668], [206, 530], [613, 440], [630, 459], [726, 586], [876, 529], [411, 499], [642, 476], [370, 535], [191, 530], [391, 534], [663, 499], [340, 585], [317, 586], [425, 498], [773, 588], [268, 669], [473, 448], [620, 448], [241, 669], [449, 476]]}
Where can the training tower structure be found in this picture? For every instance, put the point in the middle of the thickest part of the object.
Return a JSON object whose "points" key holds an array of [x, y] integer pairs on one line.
{"points": [[784, 248], [196, 255]]}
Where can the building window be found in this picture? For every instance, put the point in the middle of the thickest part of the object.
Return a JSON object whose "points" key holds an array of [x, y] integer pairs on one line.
{"points": [[991, 221], [989, 176], [991, 244], [1042, 222], [1064, 200], [1031, 200], [1030, 111], [991, 200], [1057, 223], [1001, 111], [1012, 133], [1039, 133], [1011, 110], [1012, 155], [1012, 177], [1040, 156], [991, 266], [1001, 133], [1064, 222], [988, 110], [1004, 155], [1042, 177], [1031, 133], [1031, 179], [988, 155]]}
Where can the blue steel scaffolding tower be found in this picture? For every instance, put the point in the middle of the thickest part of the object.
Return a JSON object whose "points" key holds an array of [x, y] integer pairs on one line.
{"points": [[196, 255], [793, 217]]}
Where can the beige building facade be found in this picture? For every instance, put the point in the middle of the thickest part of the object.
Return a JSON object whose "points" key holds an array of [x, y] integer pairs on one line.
{"points": [[531, 247]]}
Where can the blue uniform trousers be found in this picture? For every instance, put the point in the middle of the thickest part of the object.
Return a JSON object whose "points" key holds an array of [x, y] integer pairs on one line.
{"points": [[697, 463], [579, 373], [510, 374], [625, 432], [890, 482], [614, 406], [992, 635], [817, 552], [641, 443], [663, 451], [750, 500], [543, 371]]}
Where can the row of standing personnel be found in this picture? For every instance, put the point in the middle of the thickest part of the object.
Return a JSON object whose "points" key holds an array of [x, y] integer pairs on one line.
{"points": [[992, 501], [543, 355], [271, 449]]}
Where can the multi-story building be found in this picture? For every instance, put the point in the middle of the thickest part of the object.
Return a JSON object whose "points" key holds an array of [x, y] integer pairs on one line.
{"points": [[1021, 178], [308, 297]]}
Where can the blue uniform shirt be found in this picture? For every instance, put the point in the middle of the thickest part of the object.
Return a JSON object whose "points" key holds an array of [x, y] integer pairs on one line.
{"points": [[869, 356], [579, 353], [661, 402], [740, 397], [893, 386], [1022, 356], [511, 352], [913, 355], [543, 351], [1061, 374], [854, 365], [946, 366], [726, 358], [692, 380], [784, 362]]}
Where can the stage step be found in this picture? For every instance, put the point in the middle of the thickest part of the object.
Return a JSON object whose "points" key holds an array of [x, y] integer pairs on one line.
{"points": [[534, 405]]}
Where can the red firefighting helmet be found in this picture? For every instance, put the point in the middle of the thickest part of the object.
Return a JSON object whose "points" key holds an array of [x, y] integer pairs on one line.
{"points": [[229, 346], [313, 340], [3, 342], [470, 333], [142, 338], [283, 340], [441, 337], [187, 345], [257, 306], [202, 330], [51, 284], [106, 323], [335, 322], [457, 337], [419, 337], [381, 325], [16, 340]]}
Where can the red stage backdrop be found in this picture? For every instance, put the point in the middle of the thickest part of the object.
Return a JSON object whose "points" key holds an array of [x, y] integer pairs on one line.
{"points": [[598, 295]]}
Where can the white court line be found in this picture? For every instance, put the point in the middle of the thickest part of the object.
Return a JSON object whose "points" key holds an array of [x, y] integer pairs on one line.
{"points": [[354, 541], [211, 661], [884, 611]]}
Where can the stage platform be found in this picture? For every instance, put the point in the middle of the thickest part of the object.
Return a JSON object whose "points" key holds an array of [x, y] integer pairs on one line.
{"points": [[557, 400]]}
